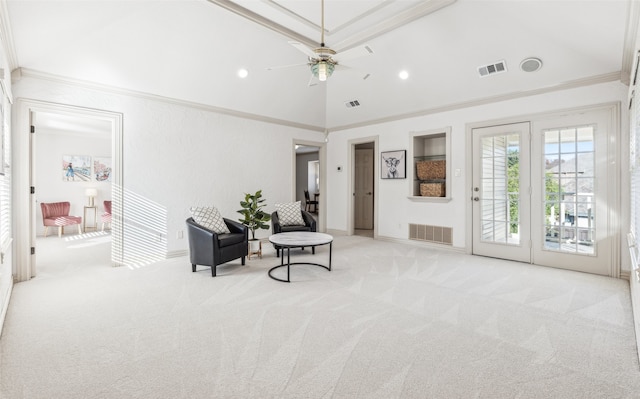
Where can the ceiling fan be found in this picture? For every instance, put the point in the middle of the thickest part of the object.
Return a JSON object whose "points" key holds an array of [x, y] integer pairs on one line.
{"points": [[323, 60]]}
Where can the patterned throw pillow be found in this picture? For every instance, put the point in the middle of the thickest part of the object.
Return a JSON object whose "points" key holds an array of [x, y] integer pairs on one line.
{"points": [[290, 214], [209, 218]]}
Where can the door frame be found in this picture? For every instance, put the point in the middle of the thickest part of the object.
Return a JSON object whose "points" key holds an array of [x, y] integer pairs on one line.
{"points": [[613, 153], [24, 215], [322, 158], [351, 161]]}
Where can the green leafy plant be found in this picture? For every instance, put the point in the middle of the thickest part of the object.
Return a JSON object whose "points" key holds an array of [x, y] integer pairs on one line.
{"points": [[253, 215]]}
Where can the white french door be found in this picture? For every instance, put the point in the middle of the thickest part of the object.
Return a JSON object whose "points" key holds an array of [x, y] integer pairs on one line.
{"points": [[572, 192], [542, 191], [501, 200]]}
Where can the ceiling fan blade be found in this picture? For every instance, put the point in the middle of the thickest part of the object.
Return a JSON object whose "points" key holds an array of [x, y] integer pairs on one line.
{"points": [[306, 50], [312, 81], [285, 66], [353, 53]]}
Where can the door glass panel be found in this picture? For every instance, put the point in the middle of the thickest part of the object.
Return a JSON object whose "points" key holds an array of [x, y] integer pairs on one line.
{"points": [[569, 184], [500, 177]]}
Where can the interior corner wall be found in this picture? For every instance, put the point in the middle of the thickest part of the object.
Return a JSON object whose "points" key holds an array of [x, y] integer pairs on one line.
{"points": [[50, 184], [395, 209], [176, 156]]}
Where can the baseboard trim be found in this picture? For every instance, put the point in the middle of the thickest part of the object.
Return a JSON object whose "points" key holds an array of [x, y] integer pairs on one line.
{"points": [[423, 244], [176, 254]]}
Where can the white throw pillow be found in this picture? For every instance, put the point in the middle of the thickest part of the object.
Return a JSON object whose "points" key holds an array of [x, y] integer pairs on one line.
{"points": [[290, 214], [209, 218]]}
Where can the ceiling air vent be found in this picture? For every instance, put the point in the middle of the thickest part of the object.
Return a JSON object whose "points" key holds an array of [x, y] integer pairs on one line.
{"points": [[352, 104], [492, 69]]}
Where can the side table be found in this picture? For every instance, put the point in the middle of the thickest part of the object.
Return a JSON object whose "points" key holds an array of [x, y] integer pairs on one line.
{"points": [[95, 218]]}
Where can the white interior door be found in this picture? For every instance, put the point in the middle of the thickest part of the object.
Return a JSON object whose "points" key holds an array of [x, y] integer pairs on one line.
{"points": [[363, 189], [501, 192]]}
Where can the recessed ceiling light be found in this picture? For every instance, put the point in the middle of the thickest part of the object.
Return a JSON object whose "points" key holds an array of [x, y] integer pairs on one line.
{"points": [[404, 75], [243, 73]]}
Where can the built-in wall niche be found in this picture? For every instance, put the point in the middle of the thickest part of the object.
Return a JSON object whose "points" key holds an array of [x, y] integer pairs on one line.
{"points": [[431, 155]]}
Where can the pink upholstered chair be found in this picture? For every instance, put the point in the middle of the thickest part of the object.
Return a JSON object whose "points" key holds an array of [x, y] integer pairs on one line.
{"points": [[57, 214], [106, 216]]}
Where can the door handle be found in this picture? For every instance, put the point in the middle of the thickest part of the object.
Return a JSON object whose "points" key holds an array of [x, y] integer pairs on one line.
{"points": [[476, 198]]}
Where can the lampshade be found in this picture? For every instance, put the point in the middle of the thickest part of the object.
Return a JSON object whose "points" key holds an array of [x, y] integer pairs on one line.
{"points": [[91, 192], [322, 70]]}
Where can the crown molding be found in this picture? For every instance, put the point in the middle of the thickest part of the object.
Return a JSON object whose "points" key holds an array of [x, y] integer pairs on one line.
{"points": [[20, 73], [604, 78], [592, 80], [260, 20], [422, 9], [630, 39]]}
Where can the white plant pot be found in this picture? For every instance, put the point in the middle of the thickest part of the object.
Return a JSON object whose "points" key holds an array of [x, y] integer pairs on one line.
{"points": [[254, 245]]}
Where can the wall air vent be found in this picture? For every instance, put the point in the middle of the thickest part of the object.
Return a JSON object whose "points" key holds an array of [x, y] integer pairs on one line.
{"points": [[436, 234], [352, 104], [492, 69]]}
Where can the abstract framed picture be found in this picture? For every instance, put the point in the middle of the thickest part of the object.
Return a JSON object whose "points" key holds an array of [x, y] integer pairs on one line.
{"points": [[393, 164], [76, 168], [102, 169]]}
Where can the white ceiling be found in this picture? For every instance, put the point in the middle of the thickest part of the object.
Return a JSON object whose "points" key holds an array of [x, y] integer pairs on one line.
{"points": [[191, 50]]}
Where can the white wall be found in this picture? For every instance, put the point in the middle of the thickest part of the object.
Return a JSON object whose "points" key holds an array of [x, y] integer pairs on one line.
{"points": [[395, 210], [50, 187], [176, 156]]}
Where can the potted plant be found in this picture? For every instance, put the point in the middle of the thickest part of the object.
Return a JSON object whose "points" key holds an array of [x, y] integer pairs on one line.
{"points": [[253, 216]]}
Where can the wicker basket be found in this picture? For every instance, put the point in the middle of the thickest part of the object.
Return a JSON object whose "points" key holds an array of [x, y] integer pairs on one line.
{"points": [[432, 189], [427, 170]]}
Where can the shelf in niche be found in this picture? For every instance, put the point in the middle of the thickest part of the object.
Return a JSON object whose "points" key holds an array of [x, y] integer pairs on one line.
{"points": [[430, 157], [419, 198], [433, 145]]}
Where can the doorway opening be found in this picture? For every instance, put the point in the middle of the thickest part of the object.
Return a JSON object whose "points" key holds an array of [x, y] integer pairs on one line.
{"points": [[72, 163], [362, 221], [308, 181], [56, 118]]}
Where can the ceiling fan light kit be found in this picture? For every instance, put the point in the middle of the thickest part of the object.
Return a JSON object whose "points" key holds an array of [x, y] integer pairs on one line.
{"points": [[320, 60], [322, 69]]}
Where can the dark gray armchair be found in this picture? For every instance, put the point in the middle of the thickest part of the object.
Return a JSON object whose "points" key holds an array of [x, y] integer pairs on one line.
{"points": [[276, 227], [208, 248]]}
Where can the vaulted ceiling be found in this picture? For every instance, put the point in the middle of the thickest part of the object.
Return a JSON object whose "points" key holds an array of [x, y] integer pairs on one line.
{"points": [[191, 50]]}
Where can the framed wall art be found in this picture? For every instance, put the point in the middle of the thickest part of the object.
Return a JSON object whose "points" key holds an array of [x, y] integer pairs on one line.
{"points": [[76, 168], [102, 169], [393, 164]]}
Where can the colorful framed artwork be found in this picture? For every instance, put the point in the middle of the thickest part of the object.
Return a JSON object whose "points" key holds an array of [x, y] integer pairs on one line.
{"points": [[76, 168], [102, 169]]}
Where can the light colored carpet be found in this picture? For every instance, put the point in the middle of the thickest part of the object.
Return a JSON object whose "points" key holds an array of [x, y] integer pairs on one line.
{"points": [[390, 321]]}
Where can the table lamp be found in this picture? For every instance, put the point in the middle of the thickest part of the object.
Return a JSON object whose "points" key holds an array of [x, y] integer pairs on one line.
{"points": [[91, 193]]}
